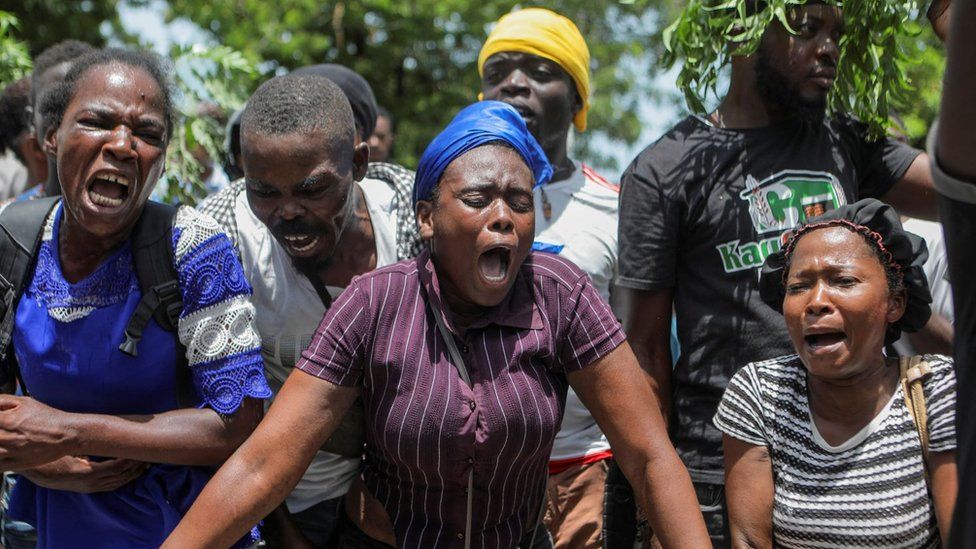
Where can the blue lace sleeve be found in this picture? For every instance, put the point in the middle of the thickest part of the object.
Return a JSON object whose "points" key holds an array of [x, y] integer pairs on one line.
{"points": [[217, 324]]}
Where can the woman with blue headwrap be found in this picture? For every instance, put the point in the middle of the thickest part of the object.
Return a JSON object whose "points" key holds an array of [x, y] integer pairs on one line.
{"points": [[462, 357]]}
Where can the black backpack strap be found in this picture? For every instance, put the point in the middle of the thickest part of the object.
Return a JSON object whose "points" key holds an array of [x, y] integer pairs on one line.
{"points": [[152, 253], [21, 229]]}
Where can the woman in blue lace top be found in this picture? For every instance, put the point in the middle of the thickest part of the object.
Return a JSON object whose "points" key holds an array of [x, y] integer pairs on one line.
{"points": [[108, 456]]}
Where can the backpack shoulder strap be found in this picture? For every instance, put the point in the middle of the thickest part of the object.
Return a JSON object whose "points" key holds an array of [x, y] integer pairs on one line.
{"points": [[913, 371], [22, 222], [21, 229], [152, 253]]}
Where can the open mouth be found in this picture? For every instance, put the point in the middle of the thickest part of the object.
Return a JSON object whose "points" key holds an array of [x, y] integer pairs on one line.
{"points": [[494, 263], [109, 190], [523, 111], [824, 340], [300, 243]]}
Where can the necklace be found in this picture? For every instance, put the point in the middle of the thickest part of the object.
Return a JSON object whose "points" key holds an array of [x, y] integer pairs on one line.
{"points": [[546, 206]]}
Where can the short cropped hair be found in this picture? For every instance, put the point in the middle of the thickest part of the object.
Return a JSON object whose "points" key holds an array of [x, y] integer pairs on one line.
{"points": [[55, 101], [298, 103], [65, 51]]}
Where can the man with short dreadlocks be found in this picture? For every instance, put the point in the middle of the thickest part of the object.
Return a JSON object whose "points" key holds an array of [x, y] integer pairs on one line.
{"points": [[702, 208]]}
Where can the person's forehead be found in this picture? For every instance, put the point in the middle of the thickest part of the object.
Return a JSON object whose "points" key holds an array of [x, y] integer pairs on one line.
{"points": [[313, 139], [520, 58], [830, 244], [491, 165], [115, 84], [817, 10], [305, 152]]}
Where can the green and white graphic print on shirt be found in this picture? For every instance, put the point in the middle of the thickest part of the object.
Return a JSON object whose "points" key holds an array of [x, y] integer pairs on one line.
{"points": [[777, 204], [700, 210]]}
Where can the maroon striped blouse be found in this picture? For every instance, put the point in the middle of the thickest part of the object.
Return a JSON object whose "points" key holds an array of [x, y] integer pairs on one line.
{"points": [[426, 428]]}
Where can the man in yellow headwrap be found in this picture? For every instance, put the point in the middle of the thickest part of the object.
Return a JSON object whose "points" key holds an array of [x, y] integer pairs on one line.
{"points": [[537, 61]]}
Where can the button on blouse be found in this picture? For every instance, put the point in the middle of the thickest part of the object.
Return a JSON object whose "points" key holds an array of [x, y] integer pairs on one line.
{"points": [[426, 428]]}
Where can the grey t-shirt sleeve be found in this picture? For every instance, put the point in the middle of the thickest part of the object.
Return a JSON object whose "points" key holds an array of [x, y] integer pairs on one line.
{"points": [[650, 223]]}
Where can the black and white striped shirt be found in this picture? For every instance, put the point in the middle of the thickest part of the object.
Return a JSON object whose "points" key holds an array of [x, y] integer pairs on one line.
{"points": [[869, 491]]}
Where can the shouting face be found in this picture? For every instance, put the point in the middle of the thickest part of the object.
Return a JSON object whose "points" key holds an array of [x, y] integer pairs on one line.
{"points": [[111, 147], [838, 304], [480, 226], [300, 186]]}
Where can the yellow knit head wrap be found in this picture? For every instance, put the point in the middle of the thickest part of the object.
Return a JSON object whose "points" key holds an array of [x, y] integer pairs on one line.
{"points": [[541, 32]]}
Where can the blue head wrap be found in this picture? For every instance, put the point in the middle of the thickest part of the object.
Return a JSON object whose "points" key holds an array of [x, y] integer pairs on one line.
{"points": [[479, 124]]}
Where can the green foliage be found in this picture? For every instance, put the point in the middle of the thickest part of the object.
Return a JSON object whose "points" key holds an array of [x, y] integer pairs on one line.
{"points": [[421, 56], [44, 23], [14, 60], [925, 75], [871, 78], [211, 83]]}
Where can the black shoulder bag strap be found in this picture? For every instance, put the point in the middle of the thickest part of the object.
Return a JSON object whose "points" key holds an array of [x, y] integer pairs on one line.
{"points": [[462, 369], [152, 253], [21, 229]]}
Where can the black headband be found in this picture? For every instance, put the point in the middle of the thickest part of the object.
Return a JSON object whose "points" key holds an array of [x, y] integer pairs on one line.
{"points": [[881, 227]]}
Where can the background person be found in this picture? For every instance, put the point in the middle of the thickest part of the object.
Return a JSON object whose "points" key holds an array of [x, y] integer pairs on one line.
{"points": [[820, 446], [537, 61], [16, 139], [392, 180], [701, 208], [303, 186], [110, 120], [50, 68], [383, 137]]}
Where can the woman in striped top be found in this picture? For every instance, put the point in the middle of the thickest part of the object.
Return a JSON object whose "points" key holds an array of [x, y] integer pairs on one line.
{"points": [[462, 357], [820, 447]]}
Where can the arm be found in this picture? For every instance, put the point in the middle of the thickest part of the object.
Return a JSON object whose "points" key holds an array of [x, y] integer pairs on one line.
{"points": [[617, 393], [944, 481], [935, 337], [958, 118], [32, 434], [259, 476], [646, 318], [748, 493], [914, 194]]}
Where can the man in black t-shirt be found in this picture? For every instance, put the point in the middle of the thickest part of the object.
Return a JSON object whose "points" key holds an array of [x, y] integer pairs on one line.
{"points": [[702, 208]]}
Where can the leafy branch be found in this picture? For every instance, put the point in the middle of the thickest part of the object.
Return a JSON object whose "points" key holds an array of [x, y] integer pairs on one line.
{"points": [[205, 76], [871, 78], [15, 60]]}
